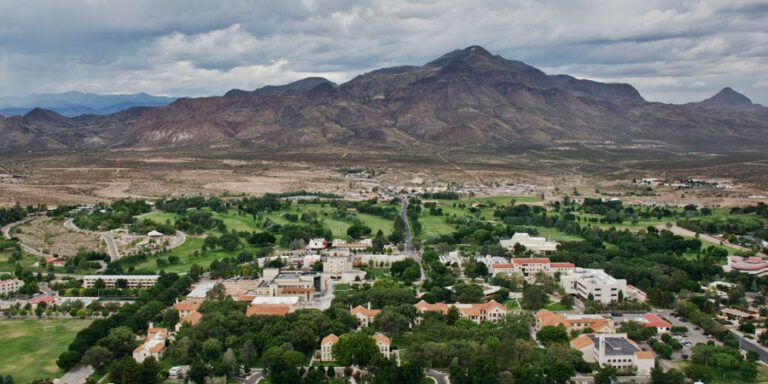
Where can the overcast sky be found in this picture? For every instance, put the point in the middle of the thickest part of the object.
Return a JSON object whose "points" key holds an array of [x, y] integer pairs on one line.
{"points": [[672, 51]]}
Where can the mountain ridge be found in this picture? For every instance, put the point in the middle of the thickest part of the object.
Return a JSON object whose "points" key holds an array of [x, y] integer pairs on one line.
{"points": [[465, 97]]}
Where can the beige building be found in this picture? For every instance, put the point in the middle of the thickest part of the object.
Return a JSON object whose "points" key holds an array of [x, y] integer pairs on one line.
{"points": [[530, 267], [133, 281], [614, 350], [9, 286], [383, 343], [153, 346], [478, 313], [365, 316], [594, 284], [572, 322]]}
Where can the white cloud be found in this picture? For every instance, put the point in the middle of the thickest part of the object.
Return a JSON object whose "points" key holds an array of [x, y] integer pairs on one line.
{"points": [[203, 48]]}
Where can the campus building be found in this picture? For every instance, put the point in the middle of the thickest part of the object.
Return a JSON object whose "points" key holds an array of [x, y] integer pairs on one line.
{"points": [[9, 286], [574, 322], [383, 343], [478, 313], [537, 245], [365, 316], [595, 284], [752, 265], [132, 281], [153, 346], [614, 350], [530, 267]]}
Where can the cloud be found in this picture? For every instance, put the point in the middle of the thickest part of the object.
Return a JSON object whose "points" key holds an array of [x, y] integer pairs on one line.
{"points": [[187, 48]]}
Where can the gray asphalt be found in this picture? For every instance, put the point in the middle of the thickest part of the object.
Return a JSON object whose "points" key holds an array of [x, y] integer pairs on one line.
{"points": [[437, 376]]}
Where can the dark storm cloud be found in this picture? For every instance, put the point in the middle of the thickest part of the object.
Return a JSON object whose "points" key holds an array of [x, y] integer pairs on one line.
{"points": [[672, 51]]}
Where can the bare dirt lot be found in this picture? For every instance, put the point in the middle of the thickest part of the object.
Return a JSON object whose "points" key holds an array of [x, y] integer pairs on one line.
{"points": [[88, 177], [50, 237]]}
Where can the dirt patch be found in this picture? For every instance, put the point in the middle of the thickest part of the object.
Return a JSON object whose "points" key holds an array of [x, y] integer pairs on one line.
{"points": [[49, 235]]}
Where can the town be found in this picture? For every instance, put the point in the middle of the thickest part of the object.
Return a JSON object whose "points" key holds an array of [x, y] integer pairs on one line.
{"points": [[408, 286]]}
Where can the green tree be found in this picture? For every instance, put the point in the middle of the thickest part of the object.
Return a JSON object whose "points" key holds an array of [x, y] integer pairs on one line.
{"points": [[551, 335], [534, 297], [606, 375], [97, 356], [355, 348], [391, 322], [230, 361]]}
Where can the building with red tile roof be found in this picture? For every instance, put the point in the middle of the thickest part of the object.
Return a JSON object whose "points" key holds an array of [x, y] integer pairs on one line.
{"points": [[153, 346], [478, 313]]}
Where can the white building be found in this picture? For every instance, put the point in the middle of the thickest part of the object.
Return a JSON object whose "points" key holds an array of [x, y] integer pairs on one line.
{"points": [[317, 244], [614, 350], [154, 345], [538, 245], [379, 260], [594, 284], [9, 286], [133, 281]]}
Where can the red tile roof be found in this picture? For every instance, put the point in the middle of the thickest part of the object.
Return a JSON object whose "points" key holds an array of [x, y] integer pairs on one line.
{"points": [[268, 310], [653, 320]]}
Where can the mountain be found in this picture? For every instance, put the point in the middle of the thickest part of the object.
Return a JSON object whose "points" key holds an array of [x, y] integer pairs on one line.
{"points": [[726, 98], [468, 98], [296, 88], [73, 104]]}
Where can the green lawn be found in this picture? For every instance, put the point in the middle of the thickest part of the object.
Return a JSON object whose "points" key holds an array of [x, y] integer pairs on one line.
{"points": [[160, 217], [557, 306], [434, 225], [376, 223], [732, 377], [186, 259], [8, 266], [512, 304], [30, 347], [554, 234]]}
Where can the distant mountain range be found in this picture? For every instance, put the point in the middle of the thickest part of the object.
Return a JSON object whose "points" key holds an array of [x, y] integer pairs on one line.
{"points": [[468, 98], [73, 104]]}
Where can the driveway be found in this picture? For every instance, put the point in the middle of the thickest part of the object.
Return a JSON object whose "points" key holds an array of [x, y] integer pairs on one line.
{"points": [[255, 377], [76, 375], [112, 250], [437, 376]]}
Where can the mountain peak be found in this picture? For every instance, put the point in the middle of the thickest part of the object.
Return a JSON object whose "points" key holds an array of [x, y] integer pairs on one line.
{"points": [[471, 55], [726, 98]]}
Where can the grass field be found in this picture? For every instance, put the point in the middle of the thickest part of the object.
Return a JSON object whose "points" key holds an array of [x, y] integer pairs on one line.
{"points": [[557, 306], [30, 347], [732, 377], [554, 234]]}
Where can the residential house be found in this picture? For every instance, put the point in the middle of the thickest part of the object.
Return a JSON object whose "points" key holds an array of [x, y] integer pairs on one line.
{"points": [[317, 244], [652, 320]]}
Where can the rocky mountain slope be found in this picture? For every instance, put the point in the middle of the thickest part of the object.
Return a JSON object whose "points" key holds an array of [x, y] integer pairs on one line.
{"points": [[467, 97]]}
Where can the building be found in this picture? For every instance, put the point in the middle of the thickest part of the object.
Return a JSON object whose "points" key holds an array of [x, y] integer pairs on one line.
{"points": [[379, 260], [9, 286], [336, 265], [272, 306], [153, 346], [357, 246], [579, 323], [132, 281], [200, 291], [191, 319], [614, 350], [365, 316], [751, 265], [652, 320], [478, 313], [530, 267], [185, 307], [383, 342], [155, 234], [276, 282], [317, 244], [594, 284], [326, 345], [537, 245]]}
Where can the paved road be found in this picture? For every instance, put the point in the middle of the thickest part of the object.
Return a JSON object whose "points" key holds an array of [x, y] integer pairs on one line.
{"points": [[112, 250], [7, 228], [437, 376], [254, 378], [677, 230], [409, 250], [749, 345], [76, 375]]}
